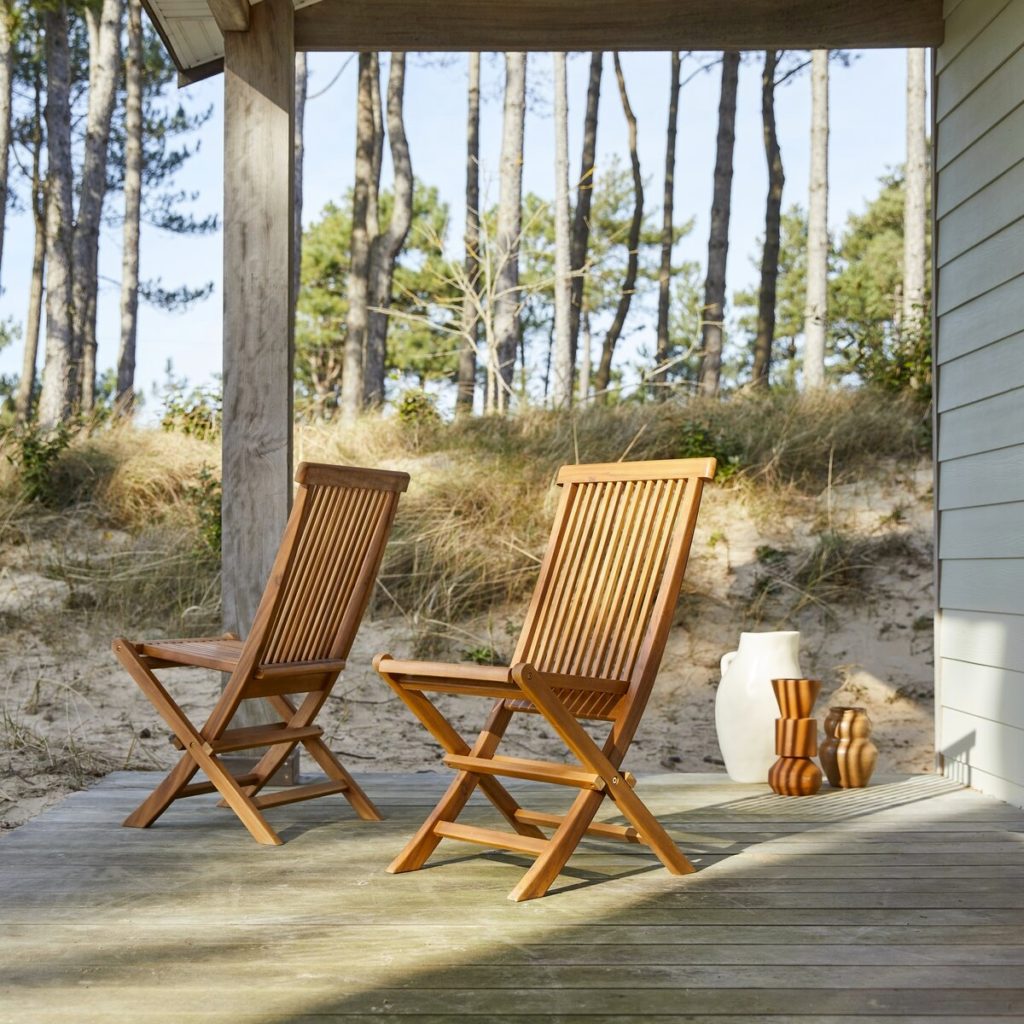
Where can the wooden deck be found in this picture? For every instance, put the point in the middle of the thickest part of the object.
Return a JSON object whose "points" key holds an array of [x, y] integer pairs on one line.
{"points": [[903, 901]]}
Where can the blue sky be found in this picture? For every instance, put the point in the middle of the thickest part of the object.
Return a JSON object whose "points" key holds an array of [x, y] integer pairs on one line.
{"points": [[867, 117]]}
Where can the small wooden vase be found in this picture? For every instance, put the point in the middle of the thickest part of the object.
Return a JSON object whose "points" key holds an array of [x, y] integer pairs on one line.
{"points": [[847, 753], [796, 739]]}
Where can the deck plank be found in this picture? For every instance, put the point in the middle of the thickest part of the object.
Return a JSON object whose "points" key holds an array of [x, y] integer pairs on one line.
{"points": [[900, 902]]}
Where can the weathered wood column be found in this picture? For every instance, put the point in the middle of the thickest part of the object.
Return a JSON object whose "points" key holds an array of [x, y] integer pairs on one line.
{"points": [[259, 124]]}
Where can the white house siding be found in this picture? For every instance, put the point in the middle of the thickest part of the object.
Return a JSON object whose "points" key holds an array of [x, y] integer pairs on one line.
{"points": [[979, 309]]}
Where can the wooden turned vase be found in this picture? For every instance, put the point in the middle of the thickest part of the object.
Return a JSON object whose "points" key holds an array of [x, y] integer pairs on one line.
{"points": [[848, 754], [796, 739]]}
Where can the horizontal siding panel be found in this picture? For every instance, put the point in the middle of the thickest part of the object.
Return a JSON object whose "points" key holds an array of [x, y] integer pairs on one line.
{"points": [[1010, 793], [991, 531], [982, 374], [988, 746], [996, 422], [984, 638], [998, 259], [991, 317], [1000, 203], [991, 155], [993, 785], [984, 692], [963, 23], [982, 584], [988, 104], [993, 45], [988, 479]]}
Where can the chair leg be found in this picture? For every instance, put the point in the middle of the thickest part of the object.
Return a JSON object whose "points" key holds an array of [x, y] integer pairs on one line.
{"points": [[425, 841], [450, 806], [354, 794], [451, 742], [546, 868], [580, 743], [163, 796], [321, 753], [193, 742], [248, 813], [652, 832]]}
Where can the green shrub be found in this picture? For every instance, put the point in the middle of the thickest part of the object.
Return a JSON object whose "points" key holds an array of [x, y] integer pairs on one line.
{"points": [[35, 454], [193, 411], [416, 408], [205, 496]]}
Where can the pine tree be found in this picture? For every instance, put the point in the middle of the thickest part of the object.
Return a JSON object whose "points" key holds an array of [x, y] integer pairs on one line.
{"points": [[564, 354], [816, 314], [713, 329]]}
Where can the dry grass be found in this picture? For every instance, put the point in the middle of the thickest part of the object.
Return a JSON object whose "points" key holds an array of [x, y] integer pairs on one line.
{"points": [[472, 528], [123, 528], [779, 437]]}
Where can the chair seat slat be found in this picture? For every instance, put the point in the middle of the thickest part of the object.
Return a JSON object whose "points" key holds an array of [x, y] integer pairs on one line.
{"points": [[204, 652]]}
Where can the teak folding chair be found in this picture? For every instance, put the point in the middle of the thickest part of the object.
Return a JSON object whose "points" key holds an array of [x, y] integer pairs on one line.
{"points": [[318, 589], [590, 648]]}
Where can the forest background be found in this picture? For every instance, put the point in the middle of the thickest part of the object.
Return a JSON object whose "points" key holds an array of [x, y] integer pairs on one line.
{"points": [[180, 263]]}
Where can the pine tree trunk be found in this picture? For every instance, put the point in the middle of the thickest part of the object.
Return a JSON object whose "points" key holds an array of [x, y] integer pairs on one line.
{"points": [[387, 246], [660, 375], [584, 194], [471, 241], [583, 383], [816, 309], [132, 209], [104, 66], [301, 84], [510, 220], [914, 248], [373, 198], [359, 269], [7, 26], [27, 380], [712, 327], [58, 389], [564, 353], [765, 336], [604, 370]]}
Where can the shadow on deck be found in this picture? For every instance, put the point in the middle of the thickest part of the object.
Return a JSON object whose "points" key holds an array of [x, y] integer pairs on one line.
{"points": [[901, 901]]}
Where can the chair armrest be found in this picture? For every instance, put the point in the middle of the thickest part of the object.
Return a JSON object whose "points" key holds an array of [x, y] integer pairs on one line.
{"points": [[561, 681], [455, 671]]}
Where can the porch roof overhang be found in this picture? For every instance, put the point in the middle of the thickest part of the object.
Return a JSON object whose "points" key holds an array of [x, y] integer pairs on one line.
{"points": [[192, 32]]}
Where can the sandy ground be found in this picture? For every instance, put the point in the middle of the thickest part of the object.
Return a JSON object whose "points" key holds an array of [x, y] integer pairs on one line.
{"points": [[68, 713]]}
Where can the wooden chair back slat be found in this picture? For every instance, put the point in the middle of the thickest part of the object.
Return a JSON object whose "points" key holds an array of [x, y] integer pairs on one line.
{"points": [[602, 594], [637, 607], [326, 578], [330, 579]]}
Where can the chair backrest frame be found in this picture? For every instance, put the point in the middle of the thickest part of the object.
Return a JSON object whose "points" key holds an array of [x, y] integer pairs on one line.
{"points": [[374, 495], [610, 578]]}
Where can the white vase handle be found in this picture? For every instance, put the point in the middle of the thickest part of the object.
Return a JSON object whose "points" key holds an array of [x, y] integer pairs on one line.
{"points": [[727, 660]]}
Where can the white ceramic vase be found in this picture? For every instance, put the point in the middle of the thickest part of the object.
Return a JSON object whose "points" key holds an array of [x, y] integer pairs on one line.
{"points": [[745, 705]]}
